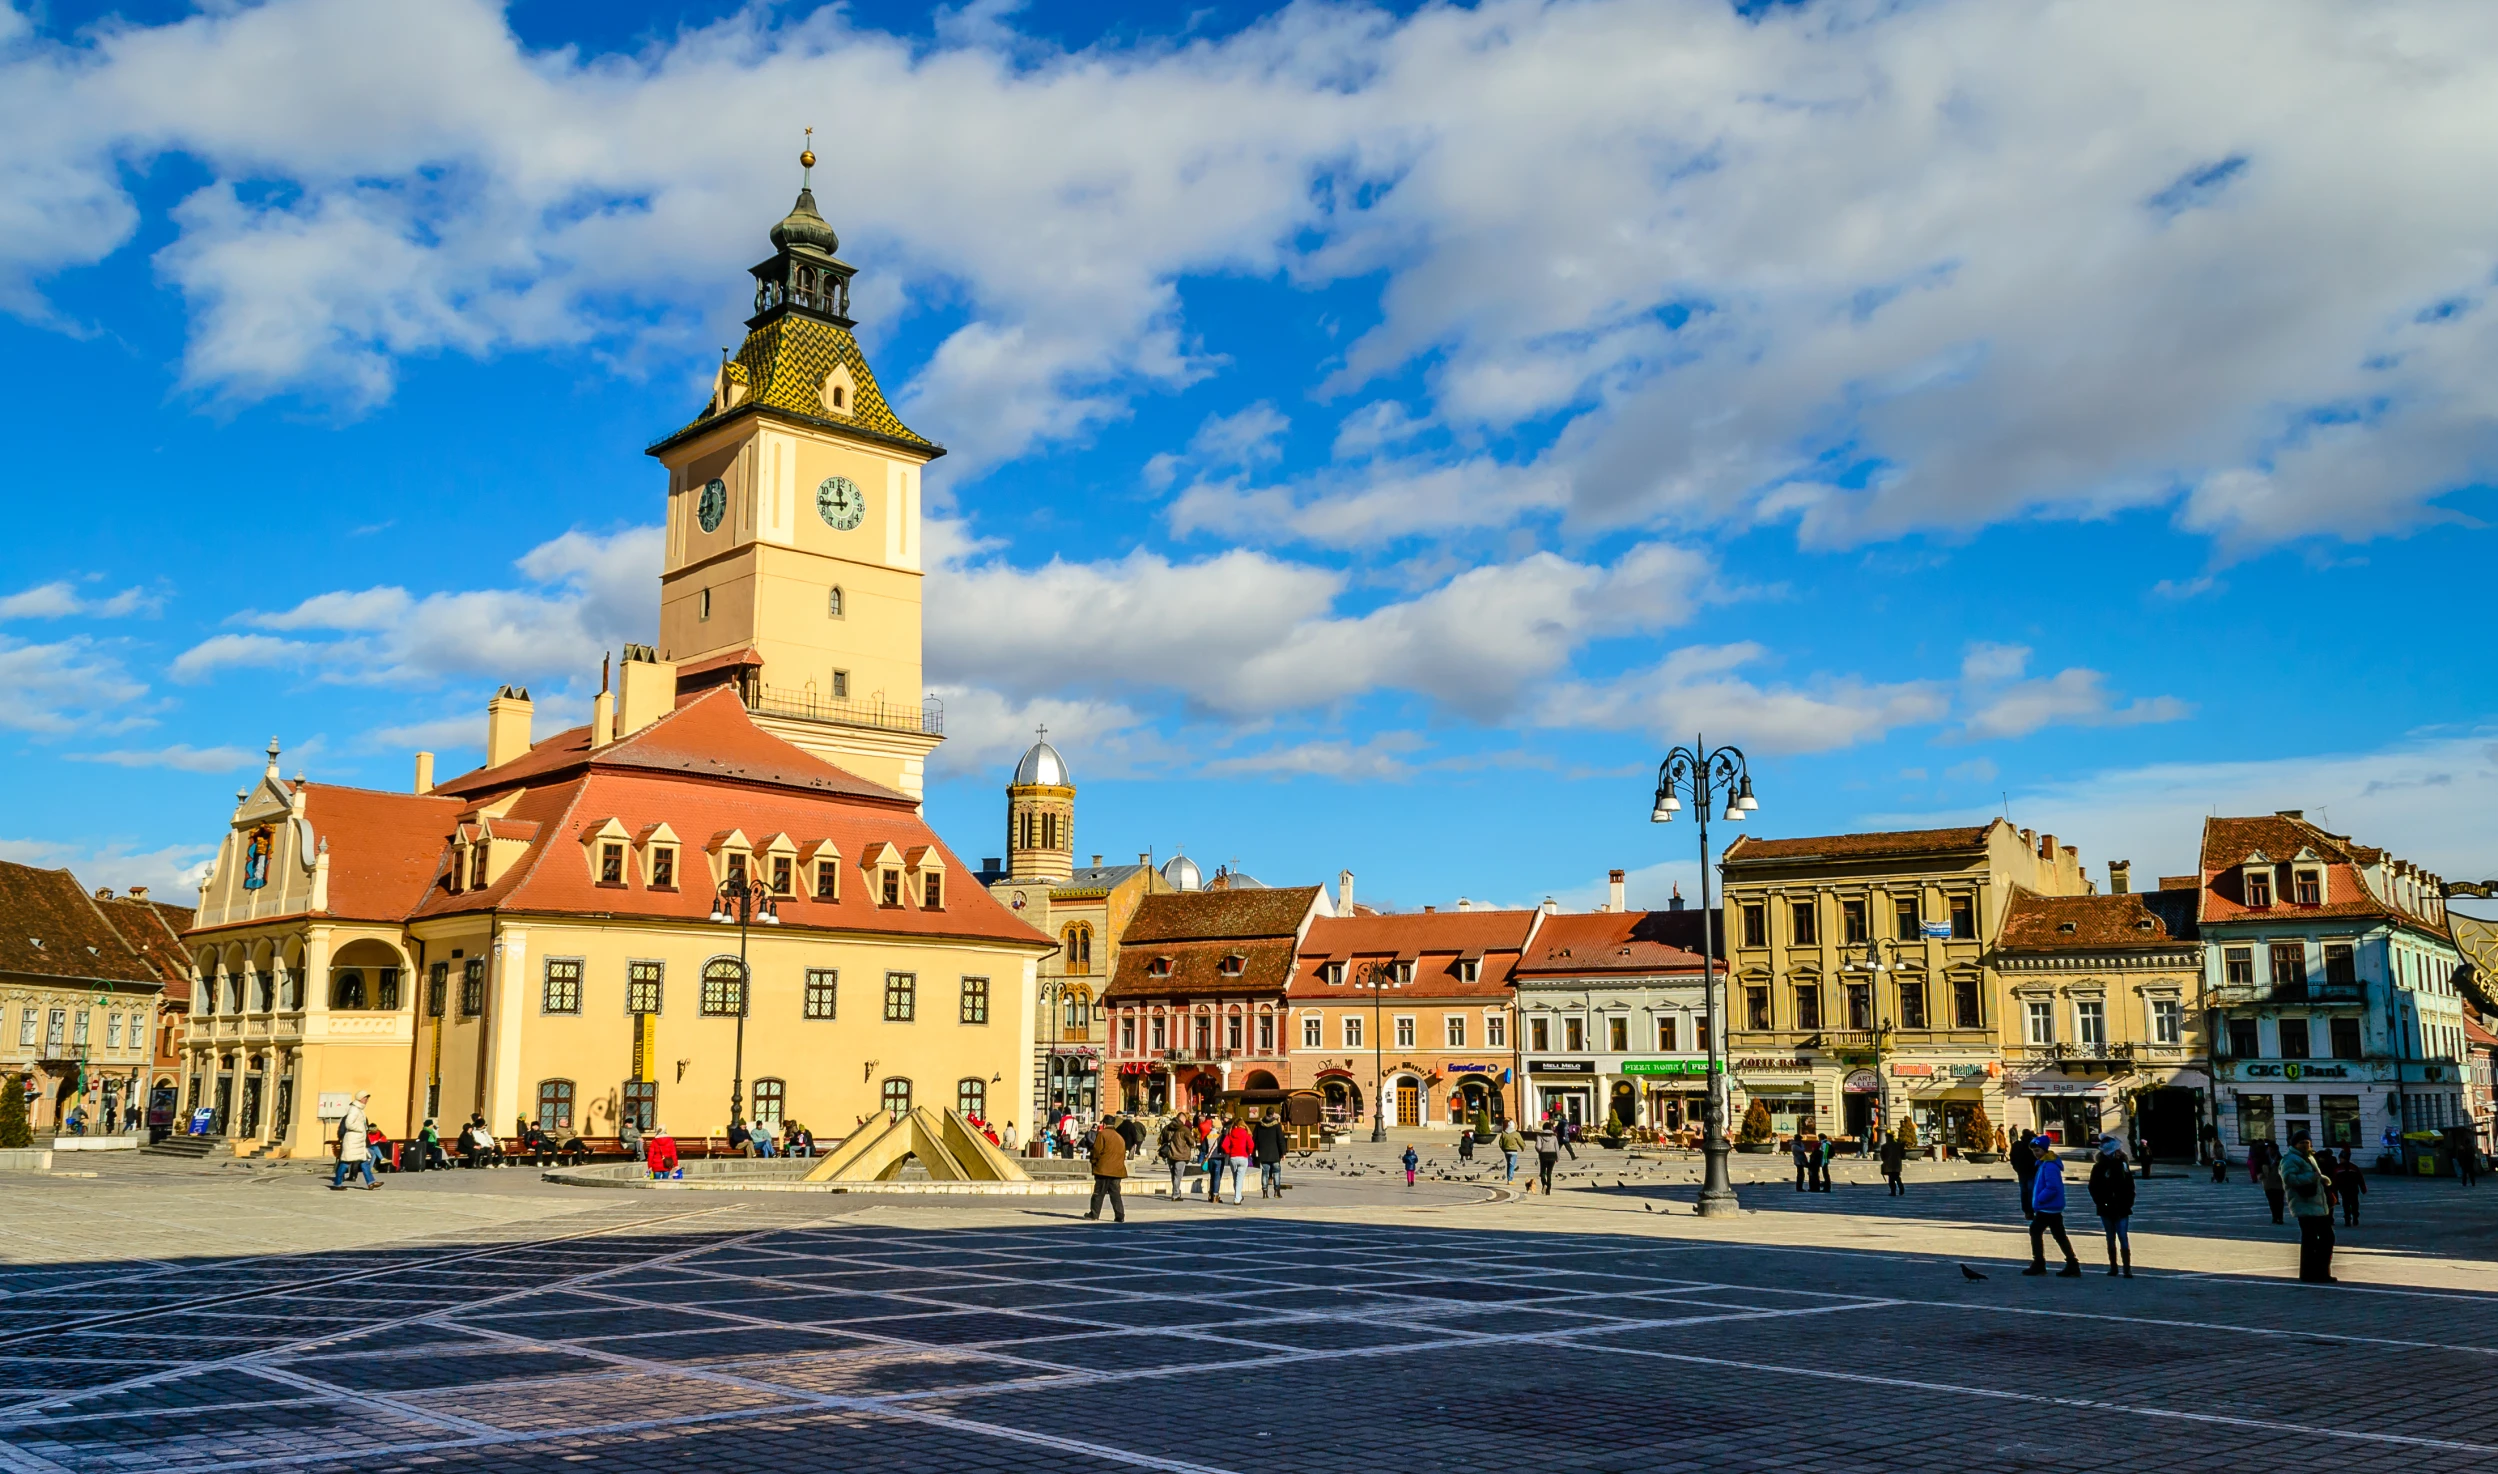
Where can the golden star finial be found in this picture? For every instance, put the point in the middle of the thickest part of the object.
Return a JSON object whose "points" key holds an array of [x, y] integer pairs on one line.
{"points": [[806, 157]]}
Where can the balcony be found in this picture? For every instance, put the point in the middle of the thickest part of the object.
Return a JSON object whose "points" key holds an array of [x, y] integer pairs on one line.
{"points": [[926, 718], [2100, 1056], [2311, 993]]}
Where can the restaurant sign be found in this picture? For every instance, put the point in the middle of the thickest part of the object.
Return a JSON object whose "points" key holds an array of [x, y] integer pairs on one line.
{"points": [[1772, 1065], [1665, 1067]]}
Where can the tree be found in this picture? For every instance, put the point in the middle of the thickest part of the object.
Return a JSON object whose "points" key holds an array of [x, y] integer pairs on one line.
{"points": [[13, 1128], [1977, 1133], [1756, 1127], [1908, 1135]]}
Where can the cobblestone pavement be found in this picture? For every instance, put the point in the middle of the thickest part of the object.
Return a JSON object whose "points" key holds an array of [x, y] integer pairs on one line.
{"points": [[628, 1331]]}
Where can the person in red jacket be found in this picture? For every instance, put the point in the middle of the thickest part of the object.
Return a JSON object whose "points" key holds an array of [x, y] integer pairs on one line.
{"points": [[661, 1151], [1238, 1148]]}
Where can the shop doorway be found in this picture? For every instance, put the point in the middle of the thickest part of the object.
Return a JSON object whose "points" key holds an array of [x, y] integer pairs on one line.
{"points": [[1475, 1097], [1341, 1099], [1625, 1105], [2068, 1120], [1408, 1101], [2169, 1116], [1857, 1116], [1572, 1101]]}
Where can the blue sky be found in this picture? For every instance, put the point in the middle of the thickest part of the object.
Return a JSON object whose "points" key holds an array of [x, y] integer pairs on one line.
{"points": [[1376, 432]]}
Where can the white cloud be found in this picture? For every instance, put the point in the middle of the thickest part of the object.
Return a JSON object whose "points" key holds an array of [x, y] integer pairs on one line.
{"points": [[986, 731], [1385, 757], [1233, 442], [2427, 799], [60, 598], [171, 874], [180, 757], [2007, 706], [66, 686], [1697, 690], [593, 593], [2059, 259]]}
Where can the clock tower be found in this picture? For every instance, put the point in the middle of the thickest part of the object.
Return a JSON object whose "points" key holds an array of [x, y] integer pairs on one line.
{"points": [[793, 561]]}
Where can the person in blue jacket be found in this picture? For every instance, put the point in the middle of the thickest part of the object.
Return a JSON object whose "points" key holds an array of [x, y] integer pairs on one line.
{"points": [[1412, 1160], [2046, 1207]]}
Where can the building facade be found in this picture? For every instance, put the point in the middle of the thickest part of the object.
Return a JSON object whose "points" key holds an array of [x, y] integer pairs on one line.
{"points": [[1197, 1001], [2334, 977], [2105, 1019], [543, 939], [1408, 1014], [83, 978], [1863, 992], [1613, 1019]]}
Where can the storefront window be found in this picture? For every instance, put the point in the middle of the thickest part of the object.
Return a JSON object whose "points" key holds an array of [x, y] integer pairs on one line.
{"points": [[2254, 1118], [2341, 1113]]}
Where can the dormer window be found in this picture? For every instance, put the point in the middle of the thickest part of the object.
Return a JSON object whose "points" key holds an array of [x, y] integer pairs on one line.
{"points": [[1234, 965], [611, 863], [2258, 888], [932, 892], [459, 867], [784, 875], [663, 867], [2307, 887], [737, 870], [477, 866], [1333, 972], [891, 883], [1160, 967], [1470, 970], [827, 880], [1404, 973]]}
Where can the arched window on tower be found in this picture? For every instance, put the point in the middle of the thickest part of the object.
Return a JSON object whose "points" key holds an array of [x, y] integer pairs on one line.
{"points": [[1079, 948], [833, 604]]}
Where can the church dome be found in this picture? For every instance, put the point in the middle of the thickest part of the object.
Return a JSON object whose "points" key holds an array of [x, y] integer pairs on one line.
{"points": [[1183, 874], [803, 227], [1228, 879], [1043, 766]]}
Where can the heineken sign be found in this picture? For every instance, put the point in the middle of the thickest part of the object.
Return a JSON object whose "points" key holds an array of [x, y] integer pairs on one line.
{"points": [[1665, 1067]]}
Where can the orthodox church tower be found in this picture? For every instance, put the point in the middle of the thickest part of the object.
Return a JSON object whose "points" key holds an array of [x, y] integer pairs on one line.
{"points": [[793, 560], [1041, 815]]}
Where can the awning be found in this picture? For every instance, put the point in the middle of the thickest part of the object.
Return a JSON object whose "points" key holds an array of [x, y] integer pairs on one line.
{"points": [[2061, 1085]]}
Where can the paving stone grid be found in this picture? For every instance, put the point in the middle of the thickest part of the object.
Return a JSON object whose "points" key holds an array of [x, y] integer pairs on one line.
{"points": [[754, 1337]]}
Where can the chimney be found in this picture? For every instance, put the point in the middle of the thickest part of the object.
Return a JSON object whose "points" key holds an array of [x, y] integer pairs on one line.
{"points": [[2030, 837], [1615, 900], [602, 719], [2120, 877], [2289, 813], [1145, 858], [1675, 901], [138, 893], [104, 893], [507, 726], [646, 689], [1551, 907], [1428, 910], [1097, 862], [424, 772], [2047, 848], [1344, 893]]}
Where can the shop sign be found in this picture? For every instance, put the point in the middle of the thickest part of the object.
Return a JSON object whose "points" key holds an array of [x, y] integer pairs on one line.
{"points": [[1965, 1072], [1862, 1082], [2296, 1070], [1774, 1066], [1665, 1067], [1561, 1067], [1905, 1072], [1474, 1070]]}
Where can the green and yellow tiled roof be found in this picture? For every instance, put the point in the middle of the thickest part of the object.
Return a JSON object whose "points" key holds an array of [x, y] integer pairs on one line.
{"points": [[783, 364]]}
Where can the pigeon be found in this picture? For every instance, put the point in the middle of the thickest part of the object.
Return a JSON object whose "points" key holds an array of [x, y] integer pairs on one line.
{"points": [[1970, 1274], [1651, 1207]]}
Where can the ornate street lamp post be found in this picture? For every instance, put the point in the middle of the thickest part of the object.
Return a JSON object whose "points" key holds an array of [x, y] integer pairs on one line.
{"points": [[1377, 976], [743, 904], [1702, 774], [1872, 962]]}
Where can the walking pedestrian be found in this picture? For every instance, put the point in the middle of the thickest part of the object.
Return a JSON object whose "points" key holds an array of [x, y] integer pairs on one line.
{"points": [[2463, 1146], [1569, 1135], [2349, 1182], [355, 1151], [1411, 1159], [1823, 1149], [2047, 1211], [2304, 1181], [2024, 1169], [1176, 1146], [2112, 1198], [2269, 1174], [1238, 1147], [1110, 1165], [1894, 1157], [1510, 1143], [1268, 1139], [1799, 1149], [1547, 1150]]}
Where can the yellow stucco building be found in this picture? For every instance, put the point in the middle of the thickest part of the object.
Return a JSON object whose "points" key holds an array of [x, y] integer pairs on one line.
{"points": [[540, 938]]}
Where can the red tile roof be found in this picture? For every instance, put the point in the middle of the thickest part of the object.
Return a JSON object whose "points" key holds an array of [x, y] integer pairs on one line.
{"points": [[1196, 969], [2228, 843], [1433, 941], [1210, 915], [155, 929], [708, 736], [1856, 846], [1580, 942], [2044, 924], [51, 928], [384, 847]]}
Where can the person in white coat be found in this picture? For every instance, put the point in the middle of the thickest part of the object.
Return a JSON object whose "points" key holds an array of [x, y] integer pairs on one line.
{"points": [[353, 1153]]}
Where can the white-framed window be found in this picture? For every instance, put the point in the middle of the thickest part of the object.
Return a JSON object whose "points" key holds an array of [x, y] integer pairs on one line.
{"points": [[1455, 1024], [1469, 969], [1539, 1034], [1404, 973], [1333, 972], [1312, 1031], [2307, 887], [1574, 1035], [1496, 1031], [112, 1032], [29, 1025], [1404, 1031], [2168, 1021], [2042, 1021], [2090, 1022], [1352, 1031], [2258, 883]]}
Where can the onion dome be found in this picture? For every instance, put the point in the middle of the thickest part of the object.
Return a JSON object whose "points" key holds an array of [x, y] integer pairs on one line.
{"points": [[1042, 766], [1182, 874]]}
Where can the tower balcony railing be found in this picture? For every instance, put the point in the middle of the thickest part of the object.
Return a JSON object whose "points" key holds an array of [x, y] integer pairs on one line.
{"points": [[926, 717], [2312, 991]]}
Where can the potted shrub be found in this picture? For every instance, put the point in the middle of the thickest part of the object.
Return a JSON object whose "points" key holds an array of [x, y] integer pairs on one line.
{"points": [[1755, 1135], [1483, 1129], [1907, 1135], [14, 1134], [1979, 1140], [1613, 1133]]}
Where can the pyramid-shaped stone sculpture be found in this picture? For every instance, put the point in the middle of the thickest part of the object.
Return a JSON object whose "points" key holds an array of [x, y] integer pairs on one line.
{"points": [[945, 1144]]}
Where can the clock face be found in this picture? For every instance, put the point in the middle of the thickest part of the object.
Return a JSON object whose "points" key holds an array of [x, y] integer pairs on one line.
{"points": [[713, 506], [840, 502]]}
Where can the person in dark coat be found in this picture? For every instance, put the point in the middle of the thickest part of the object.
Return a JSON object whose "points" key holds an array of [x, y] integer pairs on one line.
{"points": [[2349, 1182], [1802, 1148], [1268, 1139], [2047, 1211], [1110, 1167], [1894, 1157], [2306, 1184], [2268, 1172], [2025, 1171], [1130, 1131], [2112, 1198]]}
